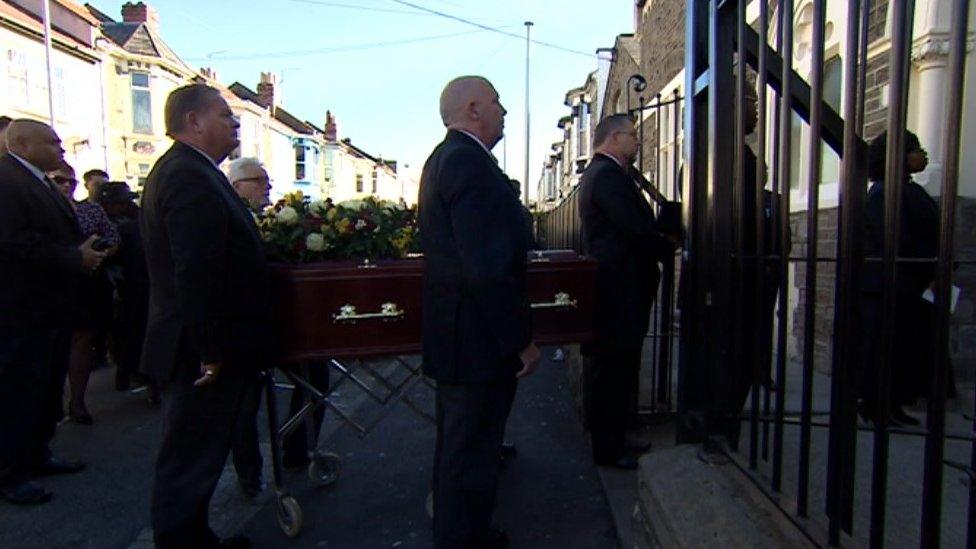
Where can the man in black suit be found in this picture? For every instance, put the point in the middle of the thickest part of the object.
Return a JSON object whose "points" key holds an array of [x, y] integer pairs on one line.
{"points": [[477, 333], [620, 232], [209, 311], [41, 257]]}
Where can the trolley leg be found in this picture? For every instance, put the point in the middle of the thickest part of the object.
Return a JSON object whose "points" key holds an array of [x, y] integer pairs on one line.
{"points": [[310, 434], [275, 440]]}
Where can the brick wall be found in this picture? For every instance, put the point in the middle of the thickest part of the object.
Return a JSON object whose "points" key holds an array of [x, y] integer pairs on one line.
{"points": [[875, 110], [661, 31]]}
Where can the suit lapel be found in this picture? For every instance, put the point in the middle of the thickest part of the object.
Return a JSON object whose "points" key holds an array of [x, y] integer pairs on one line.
{"points": [[43, 188], [218, 179]]}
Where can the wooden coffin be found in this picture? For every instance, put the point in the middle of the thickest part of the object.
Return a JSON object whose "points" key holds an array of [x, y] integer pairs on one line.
{"points": [[346, 309]]}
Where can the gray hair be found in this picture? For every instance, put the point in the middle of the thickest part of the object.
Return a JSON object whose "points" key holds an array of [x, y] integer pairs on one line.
{"points": [[238, 168]]}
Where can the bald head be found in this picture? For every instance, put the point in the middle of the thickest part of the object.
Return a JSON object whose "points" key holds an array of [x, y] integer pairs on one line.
{"points": [[36, 143], [471, 103]]}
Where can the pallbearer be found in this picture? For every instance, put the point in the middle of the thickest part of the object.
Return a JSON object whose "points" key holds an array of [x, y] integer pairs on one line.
{"points": [[620, 231], [477, 334]]}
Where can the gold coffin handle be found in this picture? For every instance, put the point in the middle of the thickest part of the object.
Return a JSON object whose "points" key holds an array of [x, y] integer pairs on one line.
{"points": [[388, 311], [562, 300]]}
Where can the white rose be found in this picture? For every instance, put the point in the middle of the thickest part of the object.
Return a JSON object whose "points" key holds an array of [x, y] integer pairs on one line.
{"points": [[352, 204], [318, 207], [315, 242], [287, 215], [360, 225]]}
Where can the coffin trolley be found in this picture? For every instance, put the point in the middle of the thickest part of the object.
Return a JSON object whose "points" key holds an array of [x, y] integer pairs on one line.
{"points": [[343, 315]]}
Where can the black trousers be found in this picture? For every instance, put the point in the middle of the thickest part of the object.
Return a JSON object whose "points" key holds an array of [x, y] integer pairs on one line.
{"points": [[198, 424], [245, 447], [33, 365], [471, 421], [616, 373]]}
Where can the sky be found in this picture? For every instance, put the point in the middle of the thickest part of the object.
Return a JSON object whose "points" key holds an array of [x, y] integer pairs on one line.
{"points": [[380, 65]]}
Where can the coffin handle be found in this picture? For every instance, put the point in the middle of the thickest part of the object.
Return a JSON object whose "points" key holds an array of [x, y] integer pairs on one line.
{"points": [[562, 300], [348, 314]]}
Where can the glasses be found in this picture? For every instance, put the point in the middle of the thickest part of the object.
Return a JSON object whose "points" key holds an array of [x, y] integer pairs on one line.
{"points": [[259, 179], [62, 180]]}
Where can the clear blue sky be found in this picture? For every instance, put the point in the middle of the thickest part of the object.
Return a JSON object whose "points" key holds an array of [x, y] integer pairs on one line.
{"points": [[385, 96]]}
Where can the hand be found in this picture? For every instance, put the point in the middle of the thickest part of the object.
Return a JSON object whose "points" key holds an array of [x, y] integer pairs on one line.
{"points": [[90, 257], [208, 374], [530, 359]]}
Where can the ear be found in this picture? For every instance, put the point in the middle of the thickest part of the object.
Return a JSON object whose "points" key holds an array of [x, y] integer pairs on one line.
{"points": [[474, 110], [193, 121]]}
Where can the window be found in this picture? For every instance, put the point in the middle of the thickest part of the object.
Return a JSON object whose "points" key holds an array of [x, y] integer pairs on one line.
{"points": [[583, 135], [141, 103], [60, 102], [375, 178], [299, 162], [833, 74], [17, 76], [359, 182]]}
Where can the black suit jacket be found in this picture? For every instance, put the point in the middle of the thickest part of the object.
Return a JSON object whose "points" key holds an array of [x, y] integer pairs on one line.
{"points": [[918, 237], [40, 264], [620, 231], [476, 316], [209, 297]]}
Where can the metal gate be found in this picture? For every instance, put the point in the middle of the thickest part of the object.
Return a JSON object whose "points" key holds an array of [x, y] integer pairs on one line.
{"points": [[720, 271]]}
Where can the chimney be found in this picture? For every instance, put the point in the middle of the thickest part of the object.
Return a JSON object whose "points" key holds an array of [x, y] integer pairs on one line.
{"points": [[331, 130], [140, 12], [208, 74], [266, 89]]}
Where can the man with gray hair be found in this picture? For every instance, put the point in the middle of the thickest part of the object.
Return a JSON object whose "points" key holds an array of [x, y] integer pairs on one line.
{"points": [[477, 331], [251, 182]]}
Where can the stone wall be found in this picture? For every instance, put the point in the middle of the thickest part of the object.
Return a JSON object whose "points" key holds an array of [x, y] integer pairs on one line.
{"points": [[661, 31]]}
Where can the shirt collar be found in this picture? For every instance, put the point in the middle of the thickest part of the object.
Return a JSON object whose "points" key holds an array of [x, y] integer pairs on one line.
{"points": [[31, 168], [478, 141], [205, 155], [611, 157]]}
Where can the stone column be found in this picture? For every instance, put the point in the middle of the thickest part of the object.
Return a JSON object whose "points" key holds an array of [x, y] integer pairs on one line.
{"points": [[930, 59]]}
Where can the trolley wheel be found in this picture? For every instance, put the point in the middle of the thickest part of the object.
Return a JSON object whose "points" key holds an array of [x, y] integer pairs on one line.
{"points": [[430, 504], [324, 468], [290, 515]]}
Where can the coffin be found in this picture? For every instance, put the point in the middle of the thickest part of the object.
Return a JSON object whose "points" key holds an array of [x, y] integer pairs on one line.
{"points": [[347, 309]]}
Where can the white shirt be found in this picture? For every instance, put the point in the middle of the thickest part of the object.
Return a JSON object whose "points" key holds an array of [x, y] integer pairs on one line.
{"points": [[205, 155], [32, 169], [478, 141]]}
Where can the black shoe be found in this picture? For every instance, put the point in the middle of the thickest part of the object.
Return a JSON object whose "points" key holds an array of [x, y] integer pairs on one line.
{"points": [[25, 493], [495, 539], [638, 448], [900, 417], [55, 466], [122, 382], [80, 416], [626, 463], [509, 450], [236, 542], [294, 462], [252, 487]]}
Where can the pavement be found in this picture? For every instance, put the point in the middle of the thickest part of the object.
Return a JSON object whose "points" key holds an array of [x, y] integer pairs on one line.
{"points": [[549, 496]]}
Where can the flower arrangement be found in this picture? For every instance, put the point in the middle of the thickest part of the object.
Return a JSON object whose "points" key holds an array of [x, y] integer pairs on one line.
{"points": [[299, 230]]}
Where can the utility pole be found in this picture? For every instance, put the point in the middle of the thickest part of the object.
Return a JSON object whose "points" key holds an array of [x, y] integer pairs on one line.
{"points": [[525, 182], [47, 55]]}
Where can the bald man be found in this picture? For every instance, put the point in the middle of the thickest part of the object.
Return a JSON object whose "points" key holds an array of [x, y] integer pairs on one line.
{"points": [[41, 252], [477, 333]]}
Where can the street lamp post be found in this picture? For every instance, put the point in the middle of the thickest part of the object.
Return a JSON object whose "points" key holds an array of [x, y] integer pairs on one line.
{"points": [[47, 57], [525, 181]]}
